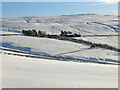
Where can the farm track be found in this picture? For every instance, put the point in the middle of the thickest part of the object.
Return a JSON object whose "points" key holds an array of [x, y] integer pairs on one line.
{"points": [[113, 28]]}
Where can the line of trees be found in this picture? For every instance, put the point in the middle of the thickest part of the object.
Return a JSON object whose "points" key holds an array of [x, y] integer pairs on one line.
{"points": [[65, 32], [69, 34], [34, 33], [43, 34]]}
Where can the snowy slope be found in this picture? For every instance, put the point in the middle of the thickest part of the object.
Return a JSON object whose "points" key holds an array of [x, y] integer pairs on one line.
{"points": [[52, 47], [0, 71], [109, 40], [84, 24], [22, 72], [26, 72]]}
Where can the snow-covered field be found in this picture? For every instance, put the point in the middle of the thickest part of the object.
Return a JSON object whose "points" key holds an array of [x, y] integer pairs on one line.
{"points": [[23, 72], [84, 24], [45, 46], [0, 71], [26, 72], [110, 40]]}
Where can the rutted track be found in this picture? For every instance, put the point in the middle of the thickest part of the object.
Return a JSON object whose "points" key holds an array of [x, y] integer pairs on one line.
{"points": [[113, 28]]}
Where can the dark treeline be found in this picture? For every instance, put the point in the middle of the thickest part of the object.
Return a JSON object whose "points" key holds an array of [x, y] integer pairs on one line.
{"points": [[43, 34], [33, 33]]}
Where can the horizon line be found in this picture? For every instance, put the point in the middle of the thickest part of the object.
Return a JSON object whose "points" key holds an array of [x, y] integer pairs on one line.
{"points": [[65, 15]]}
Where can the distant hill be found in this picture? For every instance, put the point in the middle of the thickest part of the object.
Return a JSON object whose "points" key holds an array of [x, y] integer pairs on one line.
{"points": [[79, 23]]}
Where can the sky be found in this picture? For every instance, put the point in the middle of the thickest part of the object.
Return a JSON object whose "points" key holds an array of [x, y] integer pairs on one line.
{"points": [[102, 1], [11, 8]]}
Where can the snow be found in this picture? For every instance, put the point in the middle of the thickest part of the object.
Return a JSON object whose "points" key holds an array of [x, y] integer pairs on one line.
{"points": [[0, 71], [26, 72], [7, 32], [45, 46], [84, 24], [22, 72], [109, 40]]}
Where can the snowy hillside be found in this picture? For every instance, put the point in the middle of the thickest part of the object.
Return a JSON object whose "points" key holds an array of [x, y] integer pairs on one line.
{"points": [[84, 24], [41, 62], [44, 46], [22, 72]]}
